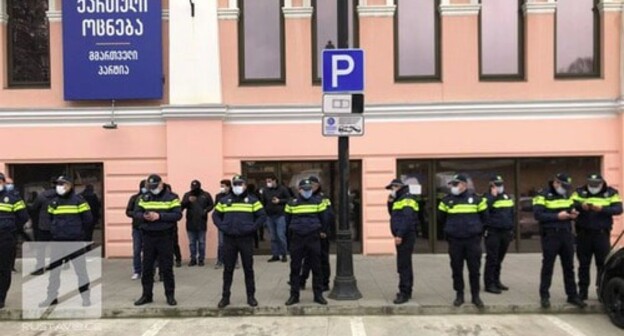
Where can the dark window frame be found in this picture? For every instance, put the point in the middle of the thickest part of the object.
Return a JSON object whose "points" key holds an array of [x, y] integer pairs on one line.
{"points": [[11, 83], [521, 75], [437, 77], [241, 52], [316, 80], [597, 71]]}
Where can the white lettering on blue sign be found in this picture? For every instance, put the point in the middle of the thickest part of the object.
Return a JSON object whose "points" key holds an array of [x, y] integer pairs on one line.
{"points": [[111, 6], [112, 27], [337, 71]]}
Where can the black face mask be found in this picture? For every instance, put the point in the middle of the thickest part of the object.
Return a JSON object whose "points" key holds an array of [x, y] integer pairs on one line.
{"points": [[196, 191]]}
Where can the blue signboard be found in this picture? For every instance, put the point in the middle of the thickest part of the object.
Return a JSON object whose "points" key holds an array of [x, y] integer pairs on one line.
{"points": [[112, 49], [343, 70]]}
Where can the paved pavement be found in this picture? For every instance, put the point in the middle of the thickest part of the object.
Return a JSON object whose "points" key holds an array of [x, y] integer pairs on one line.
{"points": [[453, 325], [199, 290]]}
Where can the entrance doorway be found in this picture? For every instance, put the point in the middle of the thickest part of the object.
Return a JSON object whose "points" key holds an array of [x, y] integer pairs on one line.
{"points": [[289, 173], [32, 179]]}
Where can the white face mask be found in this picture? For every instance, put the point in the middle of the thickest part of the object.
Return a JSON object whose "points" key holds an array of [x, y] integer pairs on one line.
{"points": [[144, 190], [270, 185], [156, 191], [393, 193], [307, 194], [2, 188], [61, 190], [223, 190], [500, 189], [561, 190], [594, 190], [455, 190], [238, 190]]}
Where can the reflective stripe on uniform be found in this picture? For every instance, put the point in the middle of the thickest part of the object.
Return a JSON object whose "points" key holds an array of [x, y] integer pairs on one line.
{"points": [[239, 207], [306, 208], [553, 204], [503, 204], [159, 205], [601, 201], [20, 205], [69, 209], [405, 203]]}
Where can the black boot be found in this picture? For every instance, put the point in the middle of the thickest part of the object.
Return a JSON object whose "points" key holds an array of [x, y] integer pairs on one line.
{"points": [[583, 294], [143, 300], [251, 301], [459, 299], [225, 301], [86, 299], [50, 301], [318, 298], [171, 300], [577, 302], [501, 286], [476, 300], [401, 298], [545, 302], [192, 263], [293, 299], [493, 289]]}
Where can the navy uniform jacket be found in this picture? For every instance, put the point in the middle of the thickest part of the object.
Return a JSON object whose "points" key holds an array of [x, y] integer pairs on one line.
{"points": [[166, 204], [69, 215], [306, 216], [239, 215], [610, 201], [501, 212], [403, 213], [463, 215], [13, 213], [546, 207]]}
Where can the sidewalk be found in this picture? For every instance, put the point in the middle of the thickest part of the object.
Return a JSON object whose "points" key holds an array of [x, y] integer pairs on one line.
{"points": [[198, 291]]}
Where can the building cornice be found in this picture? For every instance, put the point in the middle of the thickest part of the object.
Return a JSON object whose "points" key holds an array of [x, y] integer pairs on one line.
{"points": [[228, 13], [55, 16], [376, 11], [459, 9], [539, 7], [298, 12], [610, 6]]}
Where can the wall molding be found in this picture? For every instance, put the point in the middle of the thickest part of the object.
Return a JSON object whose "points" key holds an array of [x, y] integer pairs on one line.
{"points": [[539, 7], [377, 11], [297, 12], [228, 13], [312, 113], [459, 9], [610, 6], [55, 16], [4, 18]]}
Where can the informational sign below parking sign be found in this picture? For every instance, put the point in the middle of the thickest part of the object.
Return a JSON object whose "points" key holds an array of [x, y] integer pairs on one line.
{"points": [[343, 70], [340, 126]]}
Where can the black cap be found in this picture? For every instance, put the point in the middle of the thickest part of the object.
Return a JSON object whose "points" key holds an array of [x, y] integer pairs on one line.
{"points": [[314, 179], [597, 178], [395, 182], [195, 185], [305, 184], [238, 179], [497, 179], [64, 179], [153, 181], [459, 178], [563, 178], [2, 177]]}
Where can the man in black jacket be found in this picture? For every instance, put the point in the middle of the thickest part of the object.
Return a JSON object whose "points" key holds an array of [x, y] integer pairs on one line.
{"points": [[94, 203], [137, 237], [274, 198], [197, 204]]}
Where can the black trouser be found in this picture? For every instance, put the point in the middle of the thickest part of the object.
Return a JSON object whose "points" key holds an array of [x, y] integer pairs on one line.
{"points": [[7, 254], [59, 253], [590, 243], [232, 246], [308, 247], [325, 267], [157, 245], [557, 242], [404, 263], [41, 236], [176, 246], [465, 250], [496, 244]]}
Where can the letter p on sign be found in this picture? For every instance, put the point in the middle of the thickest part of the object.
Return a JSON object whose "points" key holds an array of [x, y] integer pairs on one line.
{"points": [[343, 70]]}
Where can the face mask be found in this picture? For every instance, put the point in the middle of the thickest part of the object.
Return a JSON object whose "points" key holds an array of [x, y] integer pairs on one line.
{"points": [[306, 194], [393, 193], [594, 190], [270, 185], [61, 190], [500, 189], [156, 191], [561, 191], [238, 190], [144, 190], [455, 191], [223, 190]]}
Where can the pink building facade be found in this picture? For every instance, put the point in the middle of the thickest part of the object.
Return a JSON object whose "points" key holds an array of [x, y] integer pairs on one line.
{"points": [[213, 123]]}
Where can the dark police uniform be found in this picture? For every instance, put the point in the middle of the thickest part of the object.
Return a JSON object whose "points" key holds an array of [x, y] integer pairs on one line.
{"points": [[13, 215], [325, 266], [238, 217], [463, 216], [306, 220], [70, 216], [158, 239], [403, 223], [499, 234], [557, 239], [593, 229]]}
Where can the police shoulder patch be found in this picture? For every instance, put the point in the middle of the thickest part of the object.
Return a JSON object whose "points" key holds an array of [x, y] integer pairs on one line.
{"points": [[246, 199], [6, 199], [506, 197], [471, 200]]}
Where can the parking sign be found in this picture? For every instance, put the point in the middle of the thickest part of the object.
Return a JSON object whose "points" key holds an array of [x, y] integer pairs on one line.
{"points": [[343, 70]]}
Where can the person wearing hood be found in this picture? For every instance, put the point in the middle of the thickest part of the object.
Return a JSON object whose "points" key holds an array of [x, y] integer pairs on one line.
{"points": [[463, 214], [403, 209], [597, 203], [70, 215], [554, 209], [13, 215], [197, 203]]}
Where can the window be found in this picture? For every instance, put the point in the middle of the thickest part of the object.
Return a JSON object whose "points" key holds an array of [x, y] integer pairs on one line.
{"points": [[417, 40], [577, 38], [28, 43], [261, 42], [325, 31], [501, 40]]}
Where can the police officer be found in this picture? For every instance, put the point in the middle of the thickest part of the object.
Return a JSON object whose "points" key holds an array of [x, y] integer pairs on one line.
{"points": [[306, 218], [554, 210], [238, 215], [463, 214], [325, 267], [159, 211], [597, 204], [13, 215], [403, 209], [69, 216], [499, 233]]}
